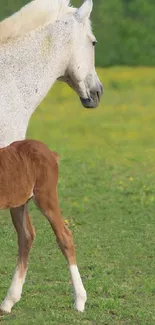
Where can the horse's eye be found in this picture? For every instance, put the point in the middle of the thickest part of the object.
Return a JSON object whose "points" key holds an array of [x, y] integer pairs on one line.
{"points": [[94, 43]]}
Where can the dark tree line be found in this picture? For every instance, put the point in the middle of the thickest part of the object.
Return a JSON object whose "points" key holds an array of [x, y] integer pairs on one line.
{"points": [[124, 29]]}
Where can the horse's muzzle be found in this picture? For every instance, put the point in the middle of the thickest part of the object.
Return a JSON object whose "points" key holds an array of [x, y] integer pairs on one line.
{"points": [[94, 99]]}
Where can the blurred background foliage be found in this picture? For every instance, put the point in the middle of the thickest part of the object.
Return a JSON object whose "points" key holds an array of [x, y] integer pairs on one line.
{"points": [[124, 29]]}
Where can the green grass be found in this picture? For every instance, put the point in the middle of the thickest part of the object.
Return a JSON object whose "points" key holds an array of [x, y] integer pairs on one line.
{"points": [[107, 195]]}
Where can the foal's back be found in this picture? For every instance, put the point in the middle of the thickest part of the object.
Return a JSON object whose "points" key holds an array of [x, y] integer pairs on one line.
{"points": [[25, 166]]}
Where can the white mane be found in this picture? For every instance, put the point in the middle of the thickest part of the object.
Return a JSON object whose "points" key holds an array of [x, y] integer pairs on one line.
{"points": [[33, 15]]}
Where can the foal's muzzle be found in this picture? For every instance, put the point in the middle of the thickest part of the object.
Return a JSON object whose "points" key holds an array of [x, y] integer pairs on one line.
{"points": [[94, 99]]}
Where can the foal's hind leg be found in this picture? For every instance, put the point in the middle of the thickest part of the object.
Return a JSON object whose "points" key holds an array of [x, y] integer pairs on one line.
{"points": [[25, 232], [48, 204]]}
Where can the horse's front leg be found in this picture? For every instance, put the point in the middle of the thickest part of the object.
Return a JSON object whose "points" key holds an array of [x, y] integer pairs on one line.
{"points": [[25, 232]]}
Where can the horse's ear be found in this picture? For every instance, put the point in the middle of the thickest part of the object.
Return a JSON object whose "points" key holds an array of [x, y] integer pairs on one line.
{"points": [[85, 10], [67, 2]]}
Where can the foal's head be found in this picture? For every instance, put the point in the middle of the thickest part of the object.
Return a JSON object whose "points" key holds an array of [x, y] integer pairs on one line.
{"points": [[80, 73]]}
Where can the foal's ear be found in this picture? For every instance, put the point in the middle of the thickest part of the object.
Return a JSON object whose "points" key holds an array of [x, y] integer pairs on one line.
{"points": [[85, 10]]}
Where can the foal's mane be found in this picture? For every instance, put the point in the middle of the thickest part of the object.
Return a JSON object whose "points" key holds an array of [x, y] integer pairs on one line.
{"points": [[35, 14]]}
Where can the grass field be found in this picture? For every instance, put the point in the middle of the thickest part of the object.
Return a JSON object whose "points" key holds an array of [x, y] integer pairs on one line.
{"points": [[107, 197]]}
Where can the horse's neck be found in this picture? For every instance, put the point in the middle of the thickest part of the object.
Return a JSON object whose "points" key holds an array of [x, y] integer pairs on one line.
{"points": [[39, 59], [29, 67]]}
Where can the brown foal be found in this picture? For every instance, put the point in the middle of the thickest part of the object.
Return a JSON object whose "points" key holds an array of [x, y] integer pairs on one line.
{"points": [[28, 169]]}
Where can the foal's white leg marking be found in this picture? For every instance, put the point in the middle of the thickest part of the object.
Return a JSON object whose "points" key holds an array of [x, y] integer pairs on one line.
{"points": [[79, 290], [14, 292]]}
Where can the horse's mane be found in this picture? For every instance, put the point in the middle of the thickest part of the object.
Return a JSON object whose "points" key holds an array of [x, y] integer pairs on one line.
{"points": [[33, 15]]}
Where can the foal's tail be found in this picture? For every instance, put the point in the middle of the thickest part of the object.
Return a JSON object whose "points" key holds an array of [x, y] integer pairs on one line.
{"points": [[57, 157]]}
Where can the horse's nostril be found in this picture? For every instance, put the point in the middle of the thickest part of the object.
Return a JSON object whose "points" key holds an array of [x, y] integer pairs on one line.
{"points": [[101, 87], [98, 95]]}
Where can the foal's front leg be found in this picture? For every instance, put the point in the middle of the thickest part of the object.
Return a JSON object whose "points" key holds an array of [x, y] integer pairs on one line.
{"points": [[48, 204], [25, 232]]}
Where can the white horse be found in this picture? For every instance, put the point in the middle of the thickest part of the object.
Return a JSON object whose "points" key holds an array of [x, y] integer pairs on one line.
{"points": [[45, 41]]}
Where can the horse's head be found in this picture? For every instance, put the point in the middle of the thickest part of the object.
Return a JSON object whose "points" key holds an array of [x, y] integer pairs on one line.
{"points": [[80, 73]]}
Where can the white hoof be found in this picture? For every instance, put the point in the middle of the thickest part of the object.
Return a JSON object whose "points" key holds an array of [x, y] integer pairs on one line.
{"points": [[80, 302], [5, 308]]}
